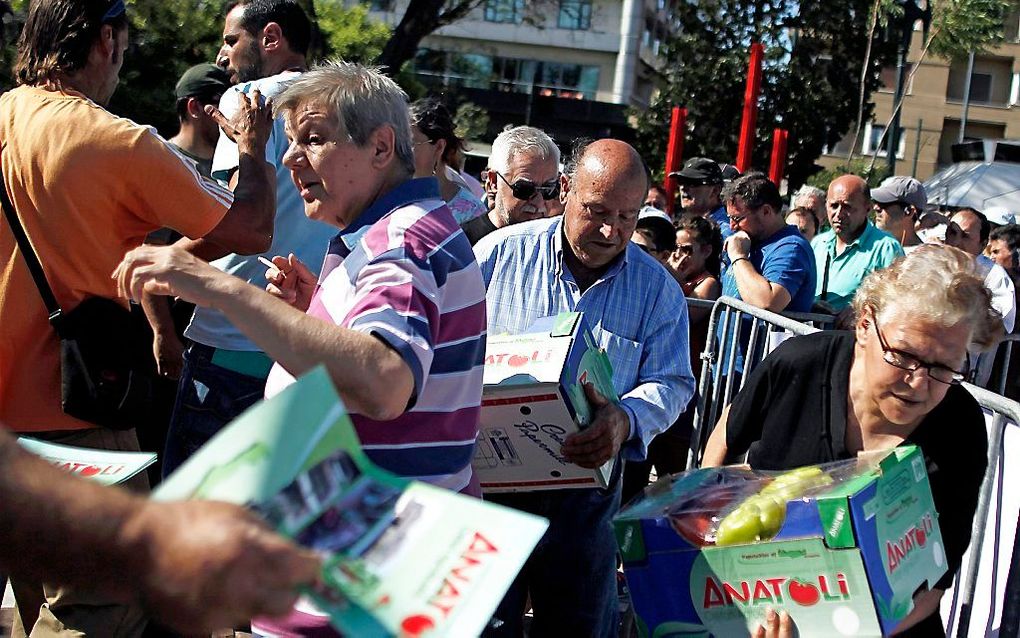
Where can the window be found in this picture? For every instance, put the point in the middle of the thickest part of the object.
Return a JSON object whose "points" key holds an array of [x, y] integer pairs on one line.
{"points": [[575, 14], [511, 11], [981, 87], [872, 136], [567, 80], [442, 70]]}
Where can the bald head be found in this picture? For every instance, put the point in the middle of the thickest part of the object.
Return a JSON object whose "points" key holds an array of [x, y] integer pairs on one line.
{"points": [[606, 192], [847, 203], [611, 158]]}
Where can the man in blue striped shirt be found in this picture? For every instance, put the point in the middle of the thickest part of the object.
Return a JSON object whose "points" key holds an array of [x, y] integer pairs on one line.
{"points": [[583, 261]]}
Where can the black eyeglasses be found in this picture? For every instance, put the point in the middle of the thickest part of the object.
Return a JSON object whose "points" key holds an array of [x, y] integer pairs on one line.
{"points": [[910, 363], [684, 249], [525, 189]]}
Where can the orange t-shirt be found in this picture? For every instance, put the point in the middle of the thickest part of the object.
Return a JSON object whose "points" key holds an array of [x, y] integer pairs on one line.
{"points": [[87, 186]]}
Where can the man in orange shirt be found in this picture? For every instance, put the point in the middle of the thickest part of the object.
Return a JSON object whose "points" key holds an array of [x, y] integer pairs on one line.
{"points": [[87, 186]]}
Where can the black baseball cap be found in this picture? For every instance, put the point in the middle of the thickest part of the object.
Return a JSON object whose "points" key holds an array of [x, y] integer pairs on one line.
{"points": [[699, 170], [204, 81]]}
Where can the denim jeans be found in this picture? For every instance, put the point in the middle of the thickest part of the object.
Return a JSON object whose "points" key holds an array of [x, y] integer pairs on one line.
{"points": [[571, 575], [208, 398]]}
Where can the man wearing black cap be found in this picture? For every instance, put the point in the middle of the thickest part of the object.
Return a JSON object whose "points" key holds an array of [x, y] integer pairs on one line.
{"points": [[200, 85], [701, 183]]}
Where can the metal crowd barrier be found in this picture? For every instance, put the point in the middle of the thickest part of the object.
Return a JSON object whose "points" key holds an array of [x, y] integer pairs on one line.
{"points": [[716, 391], [1003, 410], [1000, 372], [715, 388]]}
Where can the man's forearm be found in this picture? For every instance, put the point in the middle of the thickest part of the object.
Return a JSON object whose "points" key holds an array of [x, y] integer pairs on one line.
{"points": [[372, 378], [60, 529], [652, 410], [157, 311], [247, 228], [756, 290]]}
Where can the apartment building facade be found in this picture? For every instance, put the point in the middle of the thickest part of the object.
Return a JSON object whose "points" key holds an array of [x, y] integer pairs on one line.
{"points": [[572, 67], [932, 110]]}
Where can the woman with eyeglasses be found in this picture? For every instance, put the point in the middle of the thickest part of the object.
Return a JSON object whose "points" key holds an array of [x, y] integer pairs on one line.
{"points": [[895, 380], [435, 147]]}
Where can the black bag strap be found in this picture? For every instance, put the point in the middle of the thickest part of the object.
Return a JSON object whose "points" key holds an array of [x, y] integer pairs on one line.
{"points": [[52, 307]]}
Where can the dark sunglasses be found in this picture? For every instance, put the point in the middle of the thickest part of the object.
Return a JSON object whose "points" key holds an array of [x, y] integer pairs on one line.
{"points": [[525, 189]]}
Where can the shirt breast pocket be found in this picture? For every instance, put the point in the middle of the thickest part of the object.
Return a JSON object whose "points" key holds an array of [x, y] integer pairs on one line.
{"points": [[625, 355]]}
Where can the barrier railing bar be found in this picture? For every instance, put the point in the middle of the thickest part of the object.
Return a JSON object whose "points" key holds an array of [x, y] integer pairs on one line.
{"points": [[977, 538], [752, 347], [1004, 371]]}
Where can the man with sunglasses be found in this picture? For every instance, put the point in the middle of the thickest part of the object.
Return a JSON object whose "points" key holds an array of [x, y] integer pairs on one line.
{"points": [[524, 176], [701, 183], [584, 261], [898, 203]]}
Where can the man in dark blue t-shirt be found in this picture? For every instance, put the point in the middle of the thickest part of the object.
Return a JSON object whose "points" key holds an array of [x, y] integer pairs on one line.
{"points": [[770, 264]]}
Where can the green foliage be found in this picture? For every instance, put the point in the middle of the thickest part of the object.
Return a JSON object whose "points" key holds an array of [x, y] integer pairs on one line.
{"points": [[349, 33], [12, 15], [813, 57], [962, 26], [857, 167], [472, 121], [167, 37]]}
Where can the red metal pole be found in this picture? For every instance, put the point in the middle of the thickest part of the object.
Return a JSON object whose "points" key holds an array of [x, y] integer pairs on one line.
{"points": [[777, 165], [750, 117], [677, 126]]}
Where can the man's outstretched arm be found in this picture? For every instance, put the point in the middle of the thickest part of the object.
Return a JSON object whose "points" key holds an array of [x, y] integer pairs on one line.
{"points": [[197, 566]]}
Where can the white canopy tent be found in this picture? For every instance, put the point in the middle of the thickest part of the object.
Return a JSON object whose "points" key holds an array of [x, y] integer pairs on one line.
{"points": [[979, 185]]}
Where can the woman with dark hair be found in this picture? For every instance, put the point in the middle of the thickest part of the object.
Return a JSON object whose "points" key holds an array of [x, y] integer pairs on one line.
{"points": [[435, 146]]}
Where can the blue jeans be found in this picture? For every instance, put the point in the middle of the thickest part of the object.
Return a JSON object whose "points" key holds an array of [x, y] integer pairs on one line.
{"points": [[208, 398], [571, 575]]}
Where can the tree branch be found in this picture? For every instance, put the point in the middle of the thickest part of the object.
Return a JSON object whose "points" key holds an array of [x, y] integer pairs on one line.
{"points": [[899, 103], [864, 81], [457, 11]]}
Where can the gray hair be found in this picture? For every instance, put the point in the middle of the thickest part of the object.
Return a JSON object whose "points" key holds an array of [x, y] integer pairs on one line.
{"points": [[521, 139], [807, 191], [937, 284], [361, 98]]}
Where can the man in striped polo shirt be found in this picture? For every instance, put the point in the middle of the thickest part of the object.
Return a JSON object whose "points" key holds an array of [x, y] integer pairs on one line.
{"points": [[398, 312]]}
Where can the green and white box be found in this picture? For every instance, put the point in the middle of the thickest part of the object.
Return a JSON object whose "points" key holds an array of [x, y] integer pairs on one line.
{"points": [[533, 400]]}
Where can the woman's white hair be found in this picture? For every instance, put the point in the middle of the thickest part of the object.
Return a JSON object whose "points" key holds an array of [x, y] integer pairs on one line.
{"points": [[935, 284], [519, 140], [360, 97]]}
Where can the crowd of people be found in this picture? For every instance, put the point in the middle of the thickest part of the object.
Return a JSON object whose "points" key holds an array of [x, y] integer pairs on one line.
{"points": [[390, 265]]}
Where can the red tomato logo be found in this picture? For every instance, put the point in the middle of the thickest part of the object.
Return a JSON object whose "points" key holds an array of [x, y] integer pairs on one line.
{"points": [[416, 625], [803, 593]]}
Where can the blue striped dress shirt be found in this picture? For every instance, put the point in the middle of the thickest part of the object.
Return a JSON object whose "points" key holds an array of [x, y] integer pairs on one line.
{"points": [[636, 311]]}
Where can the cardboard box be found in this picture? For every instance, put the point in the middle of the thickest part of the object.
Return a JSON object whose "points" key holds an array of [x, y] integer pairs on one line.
{"points": [[533, 400], [846, 561]]}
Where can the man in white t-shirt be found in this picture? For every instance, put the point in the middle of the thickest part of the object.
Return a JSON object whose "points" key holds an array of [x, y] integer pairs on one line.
{"points": [[968, 230], [264, 46]]}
